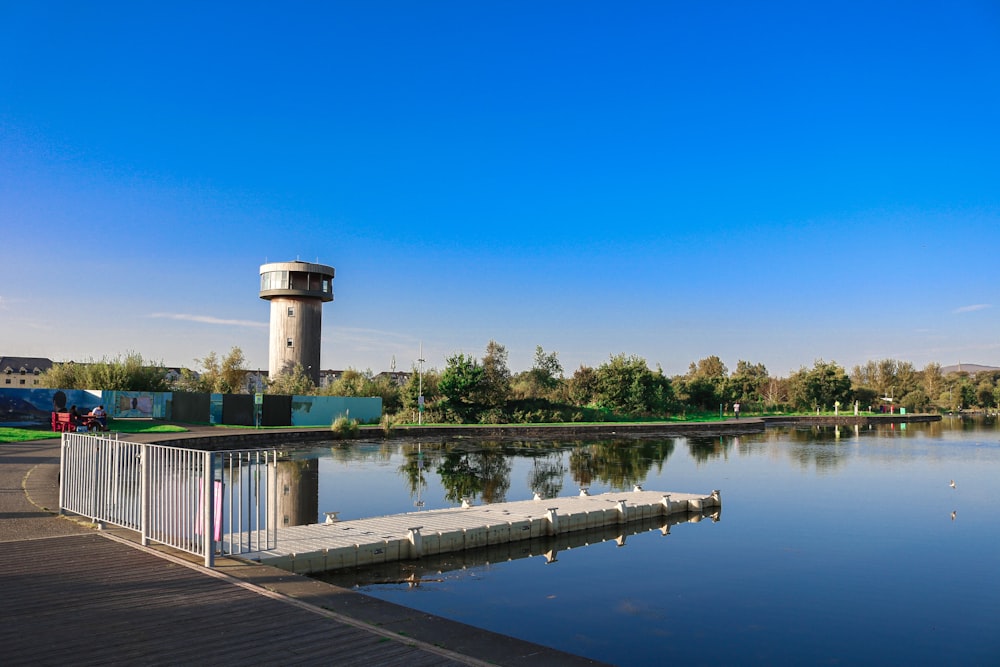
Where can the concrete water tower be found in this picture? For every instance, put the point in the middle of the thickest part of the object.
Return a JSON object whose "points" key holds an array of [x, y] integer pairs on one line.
{"points": [[297, 291]]}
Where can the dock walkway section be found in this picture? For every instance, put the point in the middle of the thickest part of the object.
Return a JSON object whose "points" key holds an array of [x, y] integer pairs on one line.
{"points": [[76, 596], [361, 542]]}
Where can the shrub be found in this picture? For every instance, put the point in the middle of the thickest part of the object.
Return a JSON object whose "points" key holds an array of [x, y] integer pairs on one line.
{"points": [[344, 427], [387, 423]]}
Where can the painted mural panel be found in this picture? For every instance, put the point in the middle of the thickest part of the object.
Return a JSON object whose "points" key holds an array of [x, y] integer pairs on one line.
{"points": [[34, 407], [322, 410], [135, 404]]}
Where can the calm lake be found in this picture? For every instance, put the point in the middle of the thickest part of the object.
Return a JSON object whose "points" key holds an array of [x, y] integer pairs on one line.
{"points": [[834, 546]]}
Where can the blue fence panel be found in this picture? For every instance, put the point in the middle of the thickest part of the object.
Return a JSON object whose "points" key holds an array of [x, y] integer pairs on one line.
{"points": [[322, 410]]}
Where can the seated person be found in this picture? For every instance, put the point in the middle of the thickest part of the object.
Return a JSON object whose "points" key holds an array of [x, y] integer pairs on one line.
{"points": [[100, 417], [74, 416]]}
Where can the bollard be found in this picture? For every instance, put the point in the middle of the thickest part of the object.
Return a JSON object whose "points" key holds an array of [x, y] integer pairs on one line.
{"points": [[553, 520], [416, 542], [622, 511], [665, 501]]}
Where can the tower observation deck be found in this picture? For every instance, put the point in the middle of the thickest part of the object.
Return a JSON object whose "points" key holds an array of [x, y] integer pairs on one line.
{"points": [[297, 291]]}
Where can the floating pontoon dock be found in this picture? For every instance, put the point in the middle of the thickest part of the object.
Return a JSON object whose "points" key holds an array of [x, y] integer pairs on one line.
{"points": [[361, 542]]}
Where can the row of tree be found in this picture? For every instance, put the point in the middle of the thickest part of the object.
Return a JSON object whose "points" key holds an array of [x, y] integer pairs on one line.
{"points": [[484, 390], [474, 390]]}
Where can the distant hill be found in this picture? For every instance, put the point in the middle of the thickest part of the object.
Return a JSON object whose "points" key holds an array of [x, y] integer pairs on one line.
{"points": [[971, 369]]}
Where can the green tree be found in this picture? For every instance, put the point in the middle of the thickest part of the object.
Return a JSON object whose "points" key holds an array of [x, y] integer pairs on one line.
{"points": [[822, 386], [932, 379], [292, 382], [543, 380], [704, 386], [353, 383], [709, 367], [390, 392], [915, 401], [626, 386], [233, 373], [218, 376], [411, 390], [583, 386], [128, 373], [495, 390], [987, 384], [887, 377], [546, 370], [747, 382], [462, 384]]}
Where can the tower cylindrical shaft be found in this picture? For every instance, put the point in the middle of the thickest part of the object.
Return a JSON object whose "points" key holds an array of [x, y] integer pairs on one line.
{"points": [[297, 292]]}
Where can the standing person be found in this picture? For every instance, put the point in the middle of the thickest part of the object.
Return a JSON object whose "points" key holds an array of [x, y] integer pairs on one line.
{"points": [[736, 409]]}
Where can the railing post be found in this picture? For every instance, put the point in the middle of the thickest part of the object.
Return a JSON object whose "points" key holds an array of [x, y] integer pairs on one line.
{"points": [[95, 480], [208, 532], [272, 501], [144, 493], [62, 471]]}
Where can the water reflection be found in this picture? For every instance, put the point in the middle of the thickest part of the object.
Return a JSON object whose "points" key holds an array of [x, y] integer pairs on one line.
{"points": [[298, 491], [704, 449], [484, 474], [547, 473], [619, 464], [786, 580], [435, 473], [482, 470]]}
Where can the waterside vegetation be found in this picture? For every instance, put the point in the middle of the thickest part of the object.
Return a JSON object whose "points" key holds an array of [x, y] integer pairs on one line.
{"points": [[471, 390]]}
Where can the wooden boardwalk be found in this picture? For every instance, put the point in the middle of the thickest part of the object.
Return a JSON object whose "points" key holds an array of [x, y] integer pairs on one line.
{"points": [[70, 595], [88, 600], [362, 542]]}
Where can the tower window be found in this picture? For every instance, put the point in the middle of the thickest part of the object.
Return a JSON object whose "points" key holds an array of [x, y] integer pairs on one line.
{"points": [[288, 343], [291, 311]]}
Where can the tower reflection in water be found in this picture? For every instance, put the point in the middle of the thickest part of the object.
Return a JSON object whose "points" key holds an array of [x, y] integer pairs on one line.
{"points": [[298, 492]]}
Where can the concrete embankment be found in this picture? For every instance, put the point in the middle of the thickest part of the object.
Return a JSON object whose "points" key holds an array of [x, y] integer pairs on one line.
{"points": [[218, 438], [847, 420]]}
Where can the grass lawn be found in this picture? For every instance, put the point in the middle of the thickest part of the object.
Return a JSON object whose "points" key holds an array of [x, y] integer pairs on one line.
{"points": [[143, 426], [8, 434]]}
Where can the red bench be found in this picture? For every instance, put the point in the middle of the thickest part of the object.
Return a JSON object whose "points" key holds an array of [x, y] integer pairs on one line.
{"points": [[62, 423]]}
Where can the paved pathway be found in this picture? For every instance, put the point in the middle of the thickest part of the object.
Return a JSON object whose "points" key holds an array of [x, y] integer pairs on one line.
{"points": [[74, 595]]}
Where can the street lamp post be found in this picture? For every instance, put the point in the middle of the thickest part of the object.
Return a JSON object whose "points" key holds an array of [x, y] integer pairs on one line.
{"points": [[420, 385]]}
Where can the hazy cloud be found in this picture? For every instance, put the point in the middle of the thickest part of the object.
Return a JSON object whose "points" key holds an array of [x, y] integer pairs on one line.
{"points": [[357, 334], [206, 319], [972, 308]]}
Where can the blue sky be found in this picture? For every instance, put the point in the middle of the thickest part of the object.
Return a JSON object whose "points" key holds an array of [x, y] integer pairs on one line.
{"points": [[775, 182]]}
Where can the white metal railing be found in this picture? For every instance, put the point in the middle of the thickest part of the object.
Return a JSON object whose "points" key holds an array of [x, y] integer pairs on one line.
{"points": [[197, 501]]}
